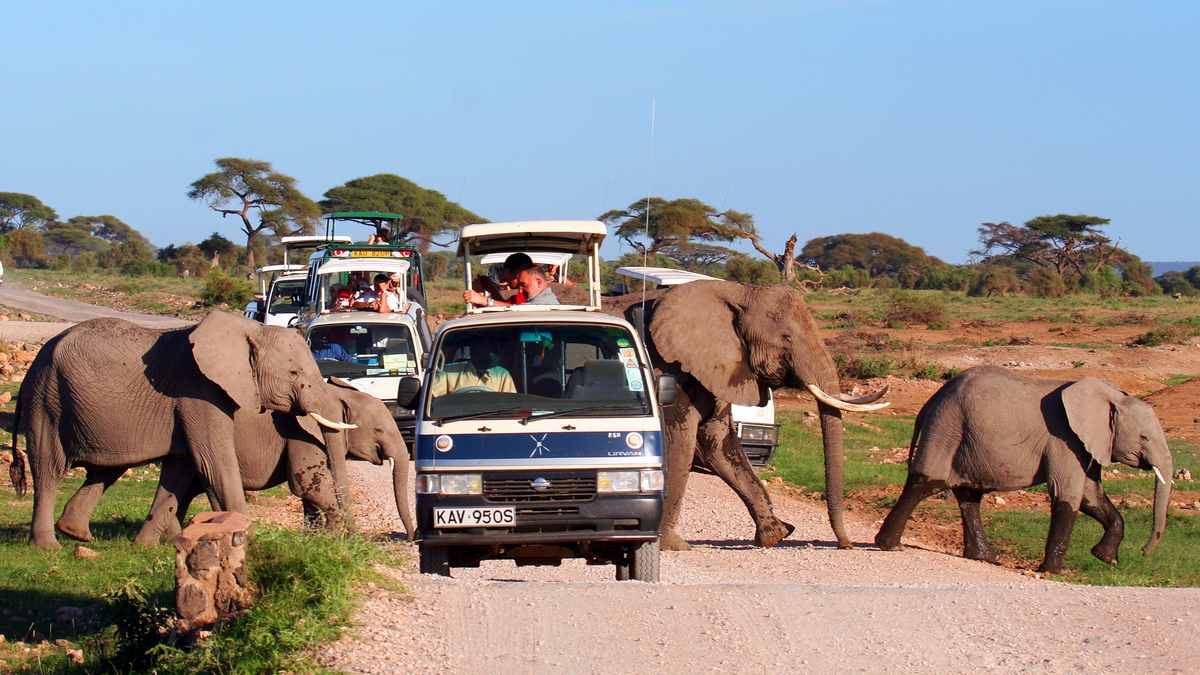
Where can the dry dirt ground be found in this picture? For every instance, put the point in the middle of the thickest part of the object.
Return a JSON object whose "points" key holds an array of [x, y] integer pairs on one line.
{"points": [[803, 606]]}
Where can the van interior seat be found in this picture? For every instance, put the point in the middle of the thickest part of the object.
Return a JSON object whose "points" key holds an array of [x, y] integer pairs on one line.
{"points": [[599, 378]]}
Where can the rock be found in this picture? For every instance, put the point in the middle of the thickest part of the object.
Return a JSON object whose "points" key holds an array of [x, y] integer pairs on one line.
{"points": [[5, 397], [210, 573], [1000, 501], [1182, 474], [67, 614], [75, 656], [24, 317], [85, 553]]}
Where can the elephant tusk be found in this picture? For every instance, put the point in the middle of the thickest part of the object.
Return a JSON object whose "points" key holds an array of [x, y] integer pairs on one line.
{"points": [[332, 425], [1159, 474], [869, 398], [843, 405]]}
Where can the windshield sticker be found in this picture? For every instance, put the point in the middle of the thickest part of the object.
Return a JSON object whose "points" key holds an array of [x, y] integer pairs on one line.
{"points": [[627, 353], [622, 342], [396, 362]]}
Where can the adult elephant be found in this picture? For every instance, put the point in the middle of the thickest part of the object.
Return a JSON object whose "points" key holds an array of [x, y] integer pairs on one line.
{"points": [[728, 343], [107, 393], [272, 448], [993, 430]]}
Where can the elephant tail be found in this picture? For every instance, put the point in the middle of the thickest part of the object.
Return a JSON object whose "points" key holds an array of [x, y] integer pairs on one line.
{"points": [[912, 445], [16, 471]]}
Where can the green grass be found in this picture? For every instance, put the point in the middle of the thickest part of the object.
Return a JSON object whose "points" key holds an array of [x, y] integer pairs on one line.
{"points": [[306, 583], [1021, 533]]}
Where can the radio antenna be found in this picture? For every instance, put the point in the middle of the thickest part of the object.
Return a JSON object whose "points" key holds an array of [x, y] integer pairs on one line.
{"points": [[649, 182]]}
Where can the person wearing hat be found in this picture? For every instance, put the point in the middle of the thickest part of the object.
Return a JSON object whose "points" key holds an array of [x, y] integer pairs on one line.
{"points": [[383, 298]]}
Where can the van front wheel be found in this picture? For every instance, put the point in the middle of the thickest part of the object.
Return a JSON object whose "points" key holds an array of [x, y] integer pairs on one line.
{"points": [[434, 559], [643, 563]]}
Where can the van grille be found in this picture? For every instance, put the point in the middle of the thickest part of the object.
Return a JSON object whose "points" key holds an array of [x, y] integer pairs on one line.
{"points": [[509, 487]]}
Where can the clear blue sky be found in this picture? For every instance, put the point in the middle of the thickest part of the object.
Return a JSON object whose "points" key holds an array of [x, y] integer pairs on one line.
{"points": [[920, 119]]}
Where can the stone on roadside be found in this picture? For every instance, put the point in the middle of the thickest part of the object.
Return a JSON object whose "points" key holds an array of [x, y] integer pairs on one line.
{"points": [[75, 656], [5, 397]]}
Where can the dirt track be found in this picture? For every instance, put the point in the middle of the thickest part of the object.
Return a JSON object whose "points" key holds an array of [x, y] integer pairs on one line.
{"points": [[729, 607]]}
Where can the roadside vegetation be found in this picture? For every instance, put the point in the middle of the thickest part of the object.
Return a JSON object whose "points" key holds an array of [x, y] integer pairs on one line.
{"points": [[113, 601]]}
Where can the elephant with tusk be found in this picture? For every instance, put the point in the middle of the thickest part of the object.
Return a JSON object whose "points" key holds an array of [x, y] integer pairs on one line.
{"points": [[272, 448], [107, 393], [992, 430], [728, 343]]}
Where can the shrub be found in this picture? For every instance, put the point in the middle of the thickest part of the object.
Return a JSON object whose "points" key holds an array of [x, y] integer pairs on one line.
{"points": [[219, 288], [147, 268], [83, 262], [1046, 283], [995, 280], [907, 307]]}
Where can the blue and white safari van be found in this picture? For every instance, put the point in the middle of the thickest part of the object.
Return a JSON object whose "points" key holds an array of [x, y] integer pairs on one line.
{"points": [[539, 431]]}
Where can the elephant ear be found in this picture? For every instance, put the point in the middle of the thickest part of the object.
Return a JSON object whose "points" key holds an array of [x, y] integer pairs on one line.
{"points": [[694, 326], [223, 349], [1090, 405]]}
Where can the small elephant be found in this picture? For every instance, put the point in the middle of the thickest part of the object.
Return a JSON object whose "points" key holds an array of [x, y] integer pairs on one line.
{"points": [[107, 393], [993, 430], [728, 343], [272, 448]]}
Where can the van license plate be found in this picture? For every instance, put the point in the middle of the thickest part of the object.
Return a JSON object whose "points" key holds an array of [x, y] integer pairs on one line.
{"points": [[490, 517]]}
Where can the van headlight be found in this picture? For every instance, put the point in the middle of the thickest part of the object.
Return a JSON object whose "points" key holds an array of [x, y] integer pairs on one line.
{"points": [[758, 433], [629, 481], [450, 484]]}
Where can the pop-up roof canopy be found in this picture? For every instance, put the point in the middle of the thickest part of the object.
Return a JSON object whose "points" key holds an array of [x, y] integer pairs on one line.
{"points": [[663, 276], [579, 237], [576, 237]]}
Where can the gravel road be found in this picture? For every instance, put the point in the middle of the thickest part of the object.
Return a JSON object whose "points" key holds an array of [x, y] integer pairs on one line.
{"points": [[69, 312], [728, 607]]}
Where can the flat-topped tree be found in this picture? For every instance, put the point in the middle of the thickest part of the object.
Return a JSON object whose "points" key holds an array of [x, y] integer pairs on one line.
{"points": [[240, 186], [427, 213], [19, 211]]}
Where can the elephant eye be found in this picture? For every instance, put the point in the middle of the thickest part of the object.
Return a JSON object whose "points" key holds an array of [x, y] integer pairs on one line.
{"points": [[787, 336]]}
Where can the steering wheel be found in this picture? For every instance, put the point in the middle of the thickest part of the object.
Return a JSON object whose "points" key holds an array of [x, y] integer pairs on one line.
{"points": [[474, 390]]}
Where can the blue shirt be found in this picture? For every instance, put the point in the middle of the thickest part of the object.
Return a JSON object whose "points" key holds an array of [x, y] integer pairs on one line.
{"points": [[332, 351]]}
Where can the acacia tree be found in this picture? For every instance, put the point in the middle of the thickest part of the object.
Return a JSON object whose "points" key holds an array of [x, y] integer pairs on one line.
{"points": [[1066, 243], [881, 255], [240, 186], [668, 225], [19, 211], [427, 213]]}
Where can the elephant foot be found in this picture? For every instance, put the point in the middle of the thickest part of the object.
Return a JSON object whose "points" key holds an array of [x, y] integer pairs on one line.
{"points": [[1105, 553], [771, 533], [71, 530], [669, 541], [888, 542], [1048, 567], [986, 555], [44, 541]]}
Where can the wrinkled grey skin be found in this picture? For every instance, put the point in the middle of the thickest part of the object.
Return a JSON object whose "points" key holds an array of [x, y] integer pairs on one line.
{"points": [[993, 430], [272, 448], [728, 343], [107, 393]]}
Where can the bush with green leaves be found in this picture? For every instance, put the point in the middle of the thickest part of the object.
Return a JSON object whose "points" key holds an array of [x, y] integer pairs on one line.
{"points": [[915, 307], [219, 288], [1045, 282], [995, 281], [848, 277], [147, 268]]}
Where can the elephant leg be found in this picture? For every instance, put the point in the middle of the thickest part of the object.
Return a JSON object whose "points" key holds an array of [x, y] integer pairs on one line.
{"points": [[720, 448], [975, 542], [209, 432], [309, 478], [77, 514], [1062, 523], [681, 422], [1097, 505], [178, 485], [47, 463], [916, 489]]}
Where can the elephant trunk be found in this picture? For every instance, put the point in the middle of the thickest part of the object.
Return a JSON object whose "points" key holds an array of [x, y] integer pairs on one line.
{"points": [[400, 484], [831, 433], [1162, 497]]}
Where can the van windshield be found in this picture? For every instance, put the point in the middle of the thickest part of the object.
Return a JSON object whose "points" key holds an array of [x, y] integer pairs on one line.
{"points": [[351, 350], [528, 370]]}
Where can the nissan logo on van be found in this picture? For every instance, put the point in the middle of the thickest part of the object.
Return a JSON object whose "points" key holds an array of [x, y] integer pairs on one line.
{"points": [[540, 484]]}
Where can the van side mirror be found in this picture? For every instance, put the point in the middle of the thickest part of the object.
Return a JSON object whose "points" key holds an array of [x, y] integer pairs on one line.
{"points": [[409, 392], [666, 389]]}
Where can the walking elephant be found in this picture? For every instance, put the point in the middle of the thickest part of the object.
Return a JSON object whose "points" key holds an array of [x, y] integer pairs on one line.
{"points": [[272, 448], [107, 393], [993, 430], [729, 343]]}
